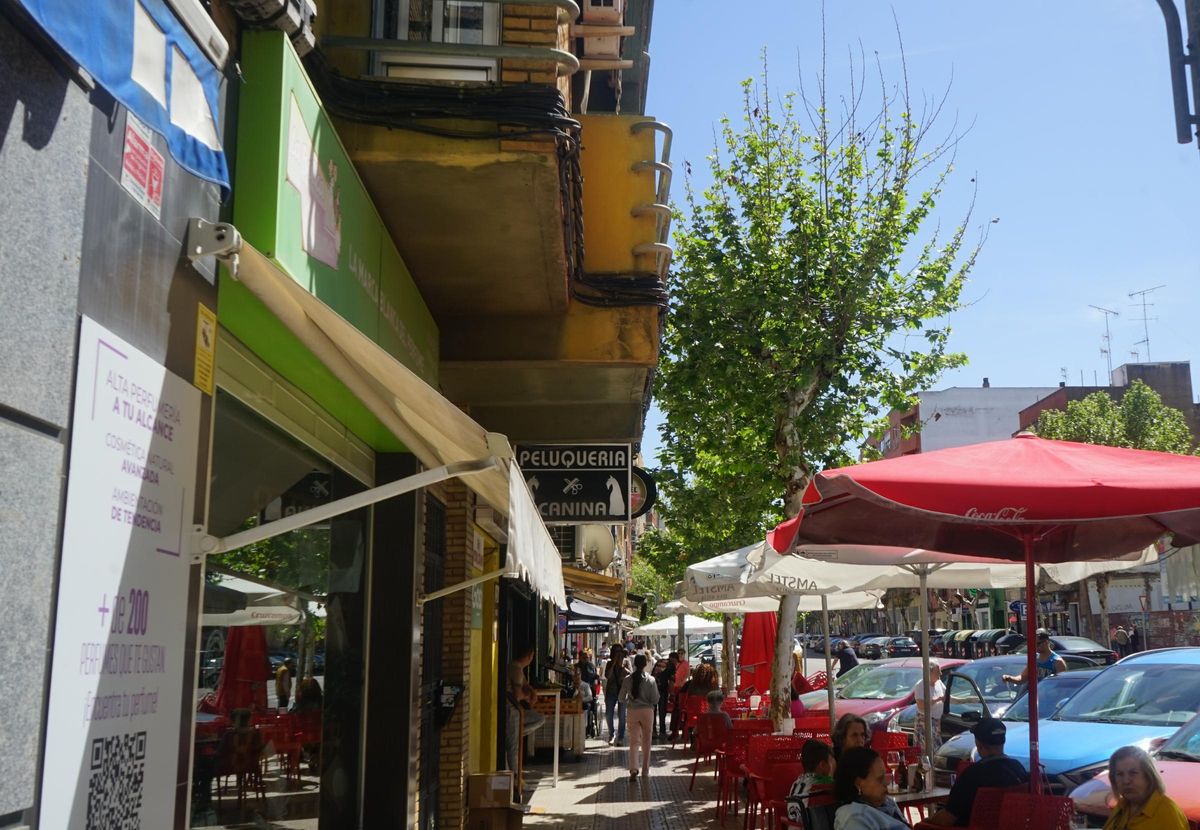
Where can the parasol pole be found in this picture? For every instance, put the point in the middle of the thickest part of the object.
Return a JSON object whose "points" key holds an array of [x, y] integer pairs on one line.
{"points": [[1035, 776], [829, 678], [927, 725]]}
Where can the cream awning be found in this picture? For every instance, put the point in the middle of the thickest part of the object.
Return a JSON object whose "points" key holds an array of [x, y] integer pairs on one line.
{"points": [[436, 431]]}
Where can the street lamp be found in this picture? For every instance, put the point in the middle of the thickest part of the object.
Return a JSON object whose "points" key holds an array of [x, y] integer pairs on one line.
{"points": [[1186, 117]]}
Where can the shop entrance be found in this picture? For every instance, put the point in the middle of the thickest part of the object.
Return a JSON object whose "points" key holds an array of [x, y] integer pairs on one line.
{"points": [[279, 698]]}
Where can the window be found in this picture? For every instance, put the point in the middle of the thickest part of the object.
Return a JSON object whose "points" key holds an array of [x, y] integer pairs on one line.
{"points": [[466, 22]]}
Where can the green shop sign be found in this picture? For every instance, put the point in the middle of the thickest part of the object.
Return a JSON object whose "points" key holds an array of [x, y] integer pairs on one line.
{"points": [[298, 199]]}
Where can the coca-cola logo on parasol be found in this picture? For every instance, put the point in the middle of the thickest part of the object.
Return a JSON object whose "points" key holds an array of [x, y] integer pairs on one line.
{"points": [[1004, 514]]}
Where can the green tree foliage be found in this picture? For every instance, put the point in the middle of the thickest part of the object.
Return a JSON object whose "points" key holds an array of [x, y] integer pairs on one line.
{"points": [[1139, 420], [806, 303], [648, 582], [809, 297]]}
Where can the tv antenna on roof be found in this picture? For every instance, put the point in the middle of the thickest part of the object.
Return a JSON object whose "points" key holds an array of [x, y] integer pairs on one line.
{"points": [[1106, 349], [1145, 318]]}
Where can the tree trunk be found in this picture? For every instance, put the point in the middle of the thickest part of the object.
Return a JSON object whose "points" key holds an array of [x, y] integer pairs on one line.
{"points": [[1085, 612], [781, 673], [1102, 598], [728, 654]]}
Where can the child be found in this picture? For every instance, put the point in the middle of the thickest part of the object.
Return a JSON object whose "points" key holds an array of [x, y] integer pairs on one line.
{"points": [[715, 698], [817, 759]]}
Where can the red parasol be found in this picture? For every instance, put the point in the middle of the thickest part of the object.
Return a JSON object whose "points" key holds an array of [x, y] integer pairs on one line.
{"points": [[757, 650], [245, 670], [1025, 498]]}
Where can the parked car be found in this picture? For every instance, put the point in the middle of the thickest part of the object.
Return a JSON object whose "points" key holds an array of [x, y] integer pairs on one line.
{"points": [[1053, 692], [876, 693], [1009, 641], [976, 686], [859, 639], [935, 634], [1141, 700], [1177, 760], [1077, 645], [872, 648], [901, 647]]}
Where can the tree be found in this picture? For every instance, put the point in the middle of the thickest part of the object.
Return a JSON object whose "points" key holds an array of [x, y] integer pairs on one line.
{"points": [[808, 301], [1139, 420]]}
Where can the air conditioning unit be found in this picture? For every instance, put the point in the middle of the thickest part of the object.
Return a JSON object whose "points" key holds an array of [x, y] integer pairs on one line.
{"points": [[595, 546], [601, 13]]}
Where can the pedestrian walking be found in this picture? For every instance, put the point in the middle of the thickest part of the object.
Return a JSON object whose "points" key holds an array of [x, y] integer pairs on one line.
{"points": [[614, 675], [664, 679], [1135, 638], [1122, 638], [283, 683], [639, 693], [847, 659]]}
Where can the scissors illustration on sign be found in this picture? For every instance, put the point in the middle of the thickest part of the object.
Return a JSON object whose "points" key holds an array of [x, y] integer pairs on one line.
{"points": [[572, 486]]}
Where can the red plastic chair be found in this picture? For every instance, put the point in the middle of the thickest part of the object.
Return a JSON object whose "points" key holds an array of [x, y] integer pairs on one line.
{"points": [[766, 752], [732, 758], [772, 790], [711, 735], [696, 706], [818, 681], [1026, 811], [681, 703], [988, 806], [731, 762]]}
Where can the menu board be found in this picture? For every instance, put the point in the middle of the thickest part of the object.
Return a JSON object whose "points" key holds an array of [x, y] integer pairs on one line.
{"points": [[114, 726]]}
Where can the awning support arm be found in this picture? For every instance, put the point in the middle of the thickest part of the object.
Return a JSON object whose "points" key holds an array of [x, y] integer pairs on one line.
{"points": [[466, 583], [206, 545]]}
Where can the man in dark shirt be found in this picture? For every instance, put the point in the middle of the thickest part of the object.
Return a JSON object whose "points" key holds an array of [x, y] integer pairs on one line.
{"points": [[847, 659], [993, 769]]}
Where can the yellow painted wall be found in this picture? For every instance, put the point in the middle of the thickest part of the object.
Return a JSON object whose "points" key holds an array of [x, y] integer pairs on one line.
{"points": [[611, 189]]}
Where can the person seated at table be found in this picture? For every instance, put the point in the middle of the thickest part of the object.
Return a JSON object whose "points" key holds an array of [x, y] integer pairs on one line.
{"points": [[704, 680], [994, 769], [715, 699], [849, 732], [1142, 803], [860, 787], [309, 697], [819, 765]]}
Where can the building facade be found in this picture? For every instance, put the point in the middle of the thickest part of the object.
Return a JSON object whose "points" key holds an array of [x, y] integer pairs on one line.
{"points": [[305, 276]]}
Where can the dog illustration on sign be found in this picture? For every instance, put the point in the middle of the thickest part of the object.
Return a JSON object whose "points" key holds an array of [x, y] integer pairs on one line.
{"points": [[616, 499]]}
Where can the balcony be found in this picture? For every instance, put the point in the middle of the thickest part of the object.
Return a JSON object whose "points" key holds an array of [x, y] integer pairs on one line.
{"points": [[535, 236]]}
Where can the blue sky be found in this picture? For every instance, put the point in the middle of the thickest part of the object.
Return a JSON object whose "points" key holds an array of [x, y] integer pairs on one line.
{"points": [[1072, 141]]}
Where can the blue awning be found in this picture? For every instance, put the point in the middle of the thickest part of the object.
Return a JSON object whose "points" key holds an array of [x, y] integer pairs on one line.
{"points": [[142, 55]]}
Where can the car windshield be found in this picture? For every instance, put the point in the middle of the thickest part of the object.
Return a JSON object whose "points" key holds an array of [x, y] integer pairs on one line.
{"points": [[1150, 695], [1183, 745], [884, 683], [988, 675], [1078, 644], [1051, 692]]}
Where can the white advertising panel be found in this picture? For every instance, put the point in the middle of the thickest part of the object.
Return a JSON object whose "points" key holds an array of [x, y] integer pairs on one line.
{"points": [[114, 725]]}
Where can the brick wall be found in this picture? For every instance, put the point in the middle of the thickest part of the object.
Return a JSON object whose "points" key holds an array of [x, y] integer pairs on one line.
{"points": [[462, 562], [534, 26]]}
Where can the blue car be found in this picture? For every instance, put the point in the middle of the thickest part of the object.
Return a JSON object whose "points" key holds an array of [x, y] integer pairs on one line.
{"points": [[1141, 701]]}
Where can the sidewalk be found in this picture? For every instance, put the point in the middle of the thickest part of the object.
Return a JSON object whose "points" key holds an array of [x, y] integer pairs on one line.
{"points": [[596, 793]]}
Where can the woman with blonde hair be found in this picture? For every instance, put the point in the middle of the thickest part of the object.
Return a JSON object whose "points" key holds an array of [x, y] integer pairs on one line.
{"points": [[1142, 803]]}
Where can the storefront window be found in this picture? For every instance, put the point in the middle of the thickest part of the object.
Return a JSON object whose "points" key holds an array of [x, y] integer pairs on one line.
{"points": [[279, 697]]}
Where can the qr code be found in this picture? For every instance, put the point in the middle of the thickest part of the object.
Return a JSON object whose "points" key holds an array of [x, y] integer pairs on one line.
{"points": [[118, 767]]}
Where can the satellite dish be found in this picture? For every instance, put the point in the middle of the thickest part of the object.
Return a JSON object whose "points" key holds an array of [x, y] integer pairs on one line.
{"points": [[596, 545]]}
